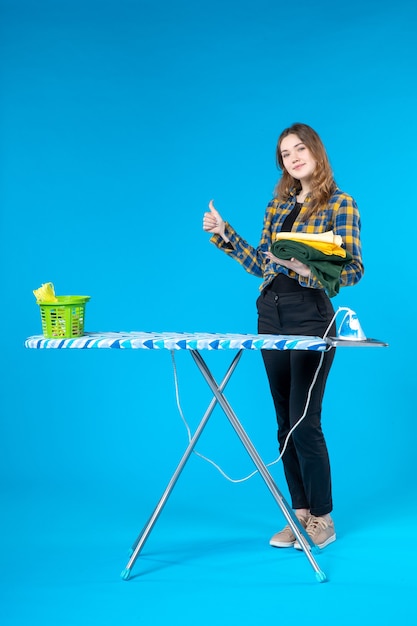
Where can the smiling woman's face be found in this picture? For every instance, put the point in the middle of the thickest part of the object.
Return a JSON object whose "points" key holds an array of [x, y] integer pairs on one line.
{"points": [[297, 158]]}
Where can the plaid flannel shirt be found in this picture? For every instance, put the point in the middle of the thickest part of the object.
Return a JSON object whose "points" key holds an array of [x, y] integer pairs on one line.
{"points": [[341, 216]]}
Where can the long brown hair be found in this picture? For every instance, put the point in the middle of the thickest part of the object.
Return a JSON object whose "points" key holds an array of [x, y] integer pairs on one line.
{"points": [[322, 183]]}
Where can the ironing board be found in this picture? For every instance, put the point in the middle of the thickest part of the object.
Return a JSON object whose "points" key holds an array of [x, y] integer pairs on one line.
{"points": [[195, 343]]}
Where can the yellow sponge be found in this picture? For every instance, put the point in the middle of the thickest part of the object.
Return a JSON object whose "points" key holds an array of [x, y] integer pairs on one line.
{"points": [[45, 293]]}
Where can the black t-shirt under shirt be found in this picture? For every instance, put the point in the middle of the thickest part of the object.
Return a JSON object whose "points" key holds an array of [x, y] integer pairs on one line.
{"points": [[288, 223]]}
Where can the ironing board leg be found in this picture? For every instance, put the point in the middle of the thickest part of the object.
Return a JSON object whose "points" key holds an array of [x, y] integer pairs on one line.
{"points": [[144, 534], [295, 526]]}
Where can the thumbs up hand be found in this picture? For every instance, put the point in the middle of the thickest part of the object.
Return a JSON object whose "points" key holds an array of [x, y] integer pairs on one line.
{"points": [[213, 221]]}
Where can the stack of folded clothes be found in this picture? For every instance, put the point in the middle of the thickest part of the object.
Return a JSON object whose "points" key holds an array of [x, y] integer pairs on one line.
{"points": [[323, 253]]}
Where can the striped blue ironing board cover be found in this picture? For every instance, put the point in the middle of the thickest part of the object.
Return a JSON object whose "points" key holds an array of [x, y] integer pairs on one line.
{"points": [[181, 341]]}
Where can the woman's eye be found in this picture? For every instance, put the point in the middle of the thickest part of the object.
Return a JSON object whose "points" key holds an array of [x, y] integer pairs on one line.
{"points": [[301, 148]]}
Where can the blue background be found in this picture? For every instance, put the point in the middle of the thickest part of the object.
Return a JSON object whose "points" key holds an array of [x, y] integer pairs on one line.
{"points": [[119, 122]]}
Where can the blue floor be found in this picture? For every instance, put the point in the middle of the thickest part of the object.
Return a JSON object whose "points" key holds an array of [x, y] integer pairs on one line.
{"points": [[207, 561]]}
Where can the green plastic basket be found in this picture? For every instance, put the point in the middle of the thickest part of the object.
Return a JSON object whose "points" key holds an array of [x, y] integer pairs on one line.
{"points": [[63, 319]]}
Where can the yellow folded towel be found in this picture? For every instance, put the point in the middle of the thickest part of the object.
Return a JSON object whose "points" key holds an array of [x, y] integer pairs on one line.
{"points": [[327, 237], [326, 248]]}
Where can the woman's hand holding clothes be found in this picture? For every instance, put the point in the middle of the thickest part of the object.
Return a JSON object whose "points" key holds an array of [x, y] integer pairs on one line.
{"points": [[292, 264]]}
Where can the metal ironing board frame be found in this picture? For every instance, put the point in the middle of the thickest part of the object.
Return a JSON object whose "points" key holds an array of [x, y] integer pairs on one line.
{"points": [[218, 397]]}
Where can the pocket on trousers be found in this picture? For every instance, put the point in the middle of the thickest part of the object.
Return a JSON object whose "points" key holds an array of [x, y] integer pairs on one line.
{"points": [[324, 306], [322, 309], [268, 319]]}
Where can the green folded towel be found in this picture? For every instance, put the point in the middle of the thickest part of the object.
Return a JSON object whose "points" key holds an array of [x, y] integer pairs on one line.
{"points": [[325, 267]]}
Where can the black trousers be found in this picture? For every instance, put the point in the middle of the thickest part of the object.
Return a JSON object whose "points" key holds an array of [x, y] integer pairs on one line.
{"points": [[290, 375]]}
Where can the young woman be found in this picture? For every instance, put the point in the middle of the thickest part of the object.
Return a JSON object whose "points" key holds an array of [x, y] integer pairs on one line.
{"points": [[294, 302]]}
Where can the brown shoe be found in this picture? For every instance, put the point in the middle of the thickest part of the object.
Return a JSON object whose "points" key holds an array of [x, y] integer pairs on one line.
{"points": [[320, 532], [285, 538]]}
